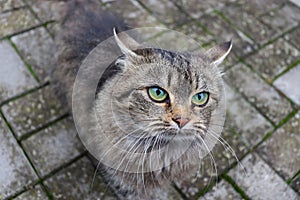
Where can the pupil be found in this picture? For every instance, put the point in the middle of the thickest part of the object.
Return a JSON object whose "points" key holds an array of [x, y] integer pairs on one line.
{"points": [[158, 92], [200, 96]]}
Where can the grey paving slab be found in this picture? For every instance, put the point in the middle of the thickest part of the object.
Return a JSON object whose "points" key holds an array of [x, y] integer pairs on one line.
{"points": [[288, 84], [244, 119], [255, 8], [53, 28], [194, 30], [273, 59], [283, 18], [37, 48], [223, 160], [12, 69], [47, 10], [15, 170], [35, 193], [166, 12], [33, 111], [53, 146], [173, 41], [76, 182], [6, 5], [16, 21], [133, 13], [282, 150], [296, 2], [293, 38], [196, 9], [167, 194], [222, 32], [296, 184], [260, 181], [250, 25], [222, 191], [258, 92]]}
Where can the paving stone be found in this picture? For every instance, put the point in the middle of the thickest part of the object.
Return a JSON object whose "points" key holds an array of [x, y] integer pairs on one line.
{"points": [[166, 12], [12, 69], [296, 2], [256, 7], [293, 38], [6, 5], [16, 21], [173, 41], [167, 193], [187, 37], [222, 32], [221, 191], [15, 170], [36, 193], [282, 150], [288, 84], [282, 19], [224, 158], [196, 9], [133, 14], [37, 48], [250, 25], [53, 28], [196, 32], [296, 184], [33, 111], [259, 93], [273, 59], [47, 10], [260, 181], [244, 119], [76, 182], [53, 146]]}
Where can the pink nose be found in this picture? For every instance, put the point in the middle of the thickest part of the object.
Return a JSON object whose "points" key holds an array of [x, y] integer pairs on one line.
{"points": [[181, 121]]}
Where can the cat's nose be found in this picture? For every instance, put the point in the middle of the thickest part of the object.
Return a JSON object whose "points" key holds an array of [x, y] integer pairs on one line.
{"points": [[181, 121]]}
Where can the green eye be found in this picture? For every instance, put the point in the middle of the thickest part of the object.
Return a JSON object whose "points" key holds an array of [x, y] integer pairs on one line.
{"points": [[157, 94], [200, 99]]}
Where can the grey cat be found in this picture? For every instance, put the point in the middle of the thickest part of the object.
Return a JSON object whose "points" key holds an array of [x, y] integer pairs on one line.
{"points": [[157, 107]]}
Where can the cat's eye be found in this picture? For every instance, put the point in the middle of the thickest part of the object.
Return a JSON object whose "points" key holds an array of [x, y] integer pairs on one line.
{"points": [[200, 99], [157, 94]]}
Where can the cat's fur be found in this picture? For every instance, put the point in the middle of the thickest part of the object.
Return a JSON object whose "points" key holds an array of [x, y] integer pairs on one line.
{"points": [[146, 148], [83, 26]]}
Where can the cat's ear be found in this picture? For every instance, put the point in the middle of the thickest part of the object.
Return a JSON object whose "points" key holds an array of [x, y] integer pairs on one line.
{"points": [[126, 43], [219, 52]]}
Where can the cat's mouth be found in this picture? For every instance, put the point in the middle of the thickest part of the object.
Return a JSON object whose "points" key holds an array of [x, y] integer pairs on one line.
{"points": [[161, 140]]}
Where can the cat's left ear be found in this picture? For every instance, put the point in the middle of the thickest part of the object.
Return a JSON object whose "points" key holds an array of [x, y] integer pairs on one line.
{"points": [[126, 44], [219, 52]]}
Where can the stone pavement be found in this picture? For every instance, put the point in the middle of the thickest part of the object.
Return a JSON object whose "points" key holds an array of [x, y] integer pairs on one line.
{"points": [[41, 157]]}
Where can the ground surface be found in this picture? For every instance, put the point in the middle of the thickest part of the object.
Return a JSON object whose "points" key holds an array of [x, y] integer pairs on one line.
{"points": [[41, 157]]}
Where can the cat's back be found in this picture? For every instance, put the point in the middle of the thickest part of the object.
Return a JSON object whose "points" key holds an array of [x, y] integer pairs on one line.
{"points": [[83, 25]]}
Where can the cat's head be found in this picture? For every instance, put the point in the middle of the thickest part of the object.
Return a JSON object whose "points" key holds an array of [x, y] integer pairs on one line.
{"points": [[160, 95]]}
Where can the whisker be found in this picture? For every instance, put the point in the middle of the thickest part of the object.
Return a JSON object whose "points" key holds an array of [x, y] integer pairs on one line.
{"points": [[138, 143], [213, 161], [107, 151], [227, 147]]}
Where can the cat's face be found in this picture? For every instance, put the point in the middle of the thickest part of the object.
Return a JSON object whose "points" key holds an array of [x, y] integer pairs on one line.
{"points": [[169, 94], [159, 98]]}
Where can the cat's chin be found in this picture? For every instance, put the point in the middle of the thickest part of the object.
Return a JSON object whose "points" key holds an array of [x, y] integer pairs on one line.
{"points": [[162, 139]]}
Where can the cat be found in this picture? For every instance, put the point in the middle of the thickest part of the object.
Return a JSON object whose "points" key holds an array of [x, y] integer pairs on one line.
{"points": [[157, 108]]}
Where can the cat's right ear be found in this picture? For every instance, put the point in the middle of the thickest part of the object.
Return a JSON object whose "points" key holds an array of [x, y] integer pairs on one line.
{"points": [[126, 44], [219, 52]]}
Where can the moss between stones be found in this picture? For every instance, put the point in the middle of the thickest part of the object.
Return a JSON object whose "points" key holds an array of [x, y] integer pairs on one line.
{"points": [[29, 67], [236, 187]]}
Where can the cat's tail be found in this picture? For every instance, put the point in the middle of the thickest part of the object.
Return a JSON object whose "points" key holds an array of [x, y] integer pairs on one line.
{"points": [[82, 26]]}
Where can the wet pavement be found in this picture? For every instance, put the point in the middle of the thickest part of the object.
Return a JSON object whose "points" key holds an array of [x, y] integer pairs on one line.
{"points": [[41, 157]]}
